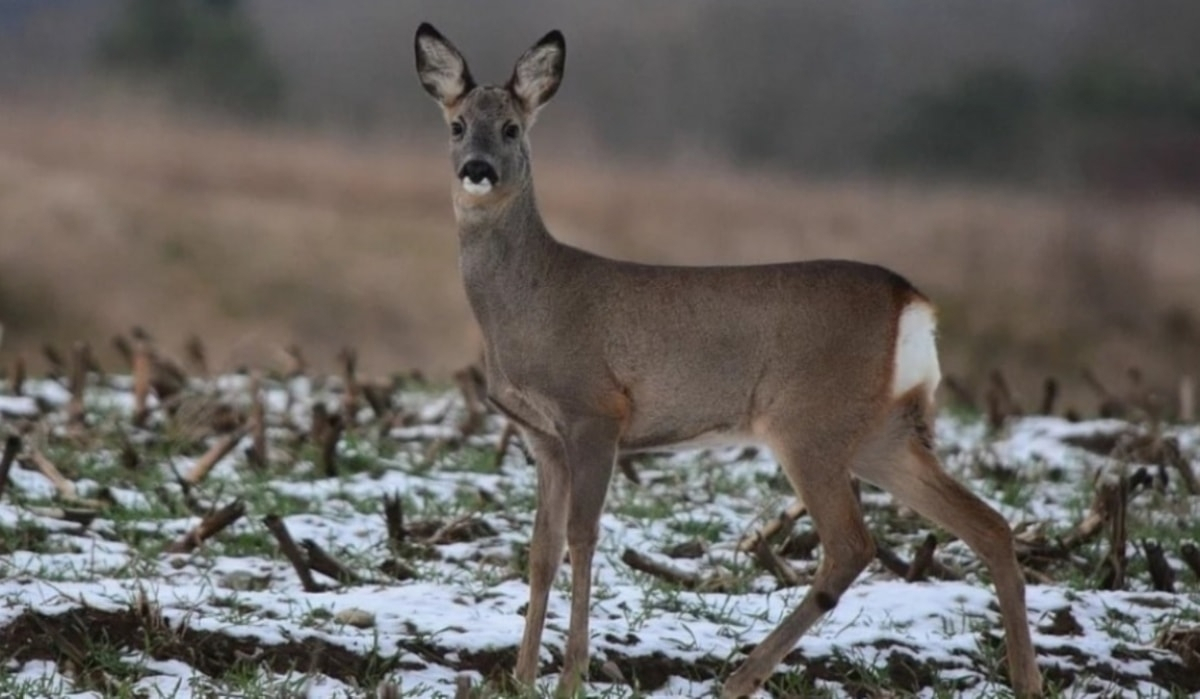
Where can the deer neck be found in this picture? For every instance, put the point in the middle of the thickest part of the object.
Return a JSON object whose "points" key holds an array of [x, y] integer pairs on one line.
{"points": [[505, 257]]}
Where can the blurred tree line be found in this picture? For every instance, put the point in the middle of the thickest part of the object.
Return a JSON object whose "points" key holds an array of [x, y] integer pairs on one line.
{"points": [[206, 53], [1101, 121], [1093, 91]]}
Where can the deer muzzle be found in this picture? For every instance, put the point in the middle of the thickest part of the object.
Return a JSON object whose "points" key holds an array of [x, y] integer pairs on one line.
{"points": [[478, 176]]}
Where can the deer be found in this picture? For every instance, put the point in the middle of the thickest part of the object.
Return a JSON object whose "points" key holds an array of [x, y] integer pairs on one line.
{"points": [[832, 365]]}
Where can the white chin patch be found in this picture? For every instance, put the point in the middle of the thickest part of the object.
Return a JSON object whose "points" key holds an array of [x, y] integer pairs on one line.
{"points": [[476, 188]]}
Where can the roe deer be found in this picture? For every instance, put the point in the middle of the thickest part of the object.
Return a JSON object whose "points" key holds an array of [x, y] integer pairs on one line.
{"points": [[831, 364]]}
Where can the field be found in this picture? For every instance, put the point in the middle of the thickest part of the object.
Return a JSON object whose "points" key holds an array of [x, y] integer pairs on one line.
{"points": [[291, 534], [256, 238]]}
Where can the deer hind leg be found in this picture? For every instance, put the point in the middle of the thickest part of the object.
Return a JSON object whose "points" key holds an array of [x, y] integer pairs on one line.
{"points": [[591, 450], [821, 478], [546, 547], [916, 479]]}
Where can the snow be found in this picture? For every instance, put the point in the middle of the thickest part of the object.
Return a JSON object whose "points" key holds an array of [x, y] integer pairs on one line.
{"points": [[18, 406], [470, 599]]}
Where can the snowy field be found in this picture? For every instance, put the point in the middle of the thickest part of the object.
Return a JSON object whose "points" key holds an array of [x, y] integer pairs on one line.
{"points": [[94, 606]]}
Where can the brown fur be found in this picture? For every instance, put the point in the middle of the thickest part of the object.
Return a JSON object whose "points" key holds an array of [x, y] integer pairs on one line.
{"points": [[593, 356]]}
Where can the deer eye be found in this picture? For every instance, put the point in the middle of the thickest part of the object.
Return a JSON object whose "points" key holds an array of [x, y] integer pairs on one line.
{"points": [[457, 129], [511, 131]]}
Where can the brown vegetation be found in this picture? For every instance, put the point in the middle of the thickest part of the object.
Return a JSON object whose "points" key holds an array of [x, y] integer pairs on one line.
{"points": [[256, 239]]}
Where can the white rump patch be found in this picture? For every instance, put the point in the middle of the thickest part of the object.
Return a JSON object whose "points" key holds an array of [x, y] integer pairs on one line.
{"points": [[477, 188], [916, 351]]}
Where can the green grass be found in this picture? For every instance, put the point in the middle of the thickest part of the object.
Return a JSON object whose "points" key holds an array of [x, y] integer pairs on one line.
{"points": [[708, 529]]}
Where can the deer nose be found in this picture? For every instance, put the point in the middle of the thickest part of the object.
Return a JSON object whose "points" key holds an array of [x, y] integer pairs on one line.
{"points": [[478, 171]]}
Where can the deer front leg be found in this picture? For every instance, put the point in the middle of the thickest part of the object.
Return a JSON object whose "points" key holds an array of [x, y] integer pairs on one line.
{"points": [[546, 547], [591, 449]]}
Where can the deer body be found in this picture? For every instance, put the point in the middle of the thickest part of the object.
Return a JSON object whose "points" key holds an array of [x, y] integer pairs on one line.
{"points": [[564, 330], [830, 364]]}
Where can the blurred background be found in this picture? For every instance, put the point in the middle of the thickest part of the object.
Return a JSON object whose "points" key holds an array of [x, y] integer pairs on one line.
{"points": [[266, 172]]}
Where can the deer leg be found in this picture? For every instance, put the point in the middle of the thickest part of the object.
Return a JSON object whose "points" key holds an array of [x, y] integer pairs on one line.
{"points": [[591, 449], [546, 547], [918, 481], [847, 548]]}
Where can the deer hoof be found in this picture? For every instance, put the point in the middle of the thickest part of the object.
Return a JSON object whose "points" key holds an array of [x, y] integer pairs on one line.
{"points": [[740, 684]]}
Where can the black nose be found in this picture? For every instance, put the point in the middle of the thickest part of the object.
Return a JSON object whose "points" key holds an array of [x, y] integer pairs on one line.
{"points": [[477, 171]]}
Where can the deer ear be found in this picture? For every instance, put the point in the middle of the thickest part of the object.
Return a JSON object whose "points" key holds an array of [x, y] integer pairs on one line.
{"points": [[442, 69], [539, 72]]}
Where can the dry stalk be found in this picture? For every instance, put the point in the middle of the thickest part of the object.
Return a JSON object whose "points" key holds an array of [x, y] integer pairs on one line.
{"points": [[770, 561], [1000, 401], [801, 544], [1100, 512], [222, 418], [16, 376], [1116, 564], [149, 613], [65, 488], [1175, 459], [219, 450], [995, 411], [77, 383], [279, 530], [12, 446], [257, 454], [296, 364], [210, 526], [645, 564], [1036, 576], [467, 526], [506, 437], [1183, 641], [902, 569], [393, 514], [121, 344], [168, 381], [470, 382], [130, 458], [626, 464], [941, 571], [143, 368], [379, 398], [1162, 576], [1008, 400], [329, 431], [348, 358], [90, 364], [320, 561], [316, 428], [890, 559], [196, 356], [54, 358], [921, 561], [1049, 395], [78, 515], [777, 528]]}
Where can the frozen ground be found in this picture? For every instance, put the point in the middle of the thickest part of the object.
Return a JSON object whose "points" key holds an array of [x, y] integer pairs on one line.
{"points": [[94, 608]]}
